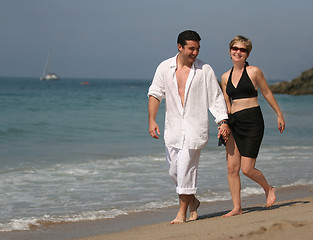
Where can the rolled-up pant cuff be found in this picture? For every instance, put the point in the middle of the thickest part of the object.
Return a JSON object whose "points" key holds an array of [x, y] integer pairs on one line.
{"points": [[186, 191]]}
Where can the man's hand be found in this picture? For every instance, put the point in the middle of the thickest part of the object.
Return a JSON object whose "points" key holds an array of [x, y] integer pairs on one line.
{"points": [[153, 107], [154, 129], [224, 131]]}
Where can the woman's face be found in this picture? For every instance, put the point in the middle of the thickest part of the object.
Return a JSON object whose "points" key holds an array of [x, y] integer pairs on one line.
{"points": [[239, 52]]}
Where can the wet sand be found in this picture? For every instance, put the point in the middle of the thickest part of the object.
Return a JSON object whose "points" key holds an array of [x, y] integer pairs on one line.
{"points": [[287, 220], [291, 217]]}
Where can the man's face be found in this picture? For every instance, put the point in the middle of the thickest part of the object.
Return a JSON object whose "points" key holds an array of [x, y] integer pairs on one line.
{"points": [[190, 51]]}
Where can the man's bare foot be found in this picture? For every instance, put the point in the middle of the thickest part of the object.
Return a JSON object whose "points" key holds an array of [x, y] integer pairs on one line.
{"points": [[177, 221], [271, 198], [194, 205], [233, 212]]}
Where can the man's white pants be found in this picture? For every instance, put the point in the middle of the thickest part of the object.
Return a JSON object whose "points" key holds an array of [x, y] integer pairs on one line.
{"points": [[183, 168]]}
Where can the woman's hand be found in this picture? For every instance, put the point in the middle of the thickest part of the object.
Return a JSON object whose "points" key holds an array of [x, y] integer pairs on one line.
{"points": [[224, 131], [281, 123]]}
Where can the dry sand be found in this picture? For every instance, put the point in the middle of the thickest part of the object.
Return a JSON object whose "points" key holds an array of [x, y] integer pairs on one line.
{"points": [[286, 220]]}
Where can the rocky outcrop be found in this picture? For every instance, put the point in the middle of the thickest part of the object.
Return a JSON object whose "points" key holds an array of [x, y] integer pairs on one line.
{"points": [[303, 84]]}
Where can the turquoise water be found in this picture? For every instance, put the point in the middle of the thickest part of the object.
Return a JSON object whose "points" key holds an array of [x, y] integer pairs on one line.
{"points": [[71, 151]]}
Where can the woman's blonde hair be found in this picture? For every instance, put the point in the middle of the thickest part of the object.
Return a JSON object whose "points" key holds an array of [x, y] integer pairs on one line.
{"points": [[246, 41]]}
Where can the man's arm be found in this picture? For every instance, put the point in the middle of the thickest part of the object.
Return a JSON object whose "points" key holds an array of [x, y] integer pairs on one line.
{"points": [[217, 107], [153, 108]]}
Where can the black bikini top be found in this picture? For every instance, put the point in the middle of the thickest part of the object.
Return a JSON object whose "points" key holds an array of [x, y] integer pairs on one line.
{"points": [[244, 89]]}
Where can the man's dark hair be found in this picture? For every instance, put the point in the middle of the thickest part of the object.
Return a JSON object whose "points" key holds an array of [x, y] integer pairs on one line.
{"points": [[188, 35]]}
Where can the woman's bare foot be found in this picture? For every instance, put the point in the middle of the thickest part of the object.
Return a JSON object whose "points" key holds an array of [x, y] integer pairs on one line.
{"points": [[194, 205], [271, 198], [178, 220], [233, 212]]}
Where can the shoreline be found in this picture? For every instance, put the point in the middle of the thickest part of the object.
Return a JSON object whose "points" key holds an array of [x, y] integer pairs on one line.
{"points": [[208, 211], [287, 220]]}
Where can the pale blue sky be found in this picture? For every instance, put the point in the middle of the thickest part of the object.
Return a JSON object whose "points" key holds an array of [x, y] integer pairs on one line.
{"points": [[128, 39]]}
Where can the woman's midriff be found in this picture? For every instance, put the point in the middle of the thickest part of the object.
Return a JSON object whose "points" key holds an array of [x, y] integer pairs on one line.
{"points": [[244, 103]]}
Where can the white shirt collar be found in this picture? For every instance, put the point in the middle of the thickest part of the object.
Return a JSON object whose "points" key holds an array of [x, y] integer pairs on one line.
{"points": [[174, 63]]}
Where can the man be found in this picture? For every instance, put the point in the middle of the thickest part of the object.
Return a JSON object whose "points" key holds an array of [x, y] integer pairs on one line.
{"points": [[190, 89]]}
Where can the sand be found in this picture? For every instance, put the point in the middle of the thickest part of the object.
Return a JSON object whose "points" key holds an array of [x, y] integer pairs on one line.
{"points": [[286, 220], [291, 217]]}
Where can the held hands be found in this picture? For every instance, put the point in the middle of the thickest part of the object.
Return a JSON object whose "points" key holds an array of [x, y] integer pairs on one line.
{"points": [[154, 130], [223, 131]]}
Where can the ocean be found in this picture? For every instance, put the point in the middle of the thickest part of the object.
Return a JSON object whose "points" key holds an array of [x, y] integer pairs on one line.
{"points": [[79, 149]]}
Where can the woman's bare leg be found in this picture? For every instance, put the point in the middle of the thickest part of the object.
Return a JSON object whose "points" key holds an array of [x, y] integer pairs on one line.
{"points": [[233, 166], [248, 169]]}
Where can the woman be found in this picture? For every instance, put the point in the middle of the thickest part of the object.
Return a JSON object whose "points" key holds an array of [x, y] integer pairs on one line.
{"points": [[240, 85]]}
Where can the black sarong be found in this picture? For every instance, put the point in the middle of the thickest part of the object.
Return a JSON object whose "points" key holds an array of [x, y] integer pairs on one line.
{"points": [[247, 128]]}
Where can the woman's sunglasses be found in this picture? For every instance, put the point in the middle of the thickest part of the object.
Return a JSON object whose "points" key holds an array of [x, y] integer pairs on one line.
{"points": [[243, 50]]}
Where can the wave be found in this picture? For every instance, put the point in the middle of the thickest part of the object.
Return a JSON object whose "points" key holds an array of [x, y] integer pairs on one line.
{"points": [[12, 131], [298, 183], [297, 147], [24, 224]]}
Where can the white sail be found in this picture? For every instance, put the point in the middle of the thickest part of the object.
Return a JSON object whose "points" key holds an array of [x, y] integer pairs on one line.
{"points": [[46, 75]]}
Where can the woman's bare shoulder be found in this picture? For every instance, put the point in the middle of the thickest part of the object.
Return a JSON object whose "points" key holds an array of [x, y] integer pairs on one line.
{"points": [[225, 76], [254, 70]]}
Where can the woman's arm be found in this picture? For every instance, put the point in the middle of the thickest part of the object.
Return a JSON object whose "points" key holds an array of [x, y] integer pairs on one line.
{"points": [[224, 129], [268, 95], [224, 84]]}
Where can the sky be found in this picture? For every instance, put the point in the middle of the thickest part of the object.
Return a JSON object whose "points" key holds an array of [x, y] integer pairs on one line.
{"points": [[127, 39]]}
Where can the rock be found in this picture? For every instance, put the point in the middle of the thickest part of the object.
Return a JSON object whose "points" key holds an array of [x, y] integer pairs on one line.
{"points": [[303, 84]]}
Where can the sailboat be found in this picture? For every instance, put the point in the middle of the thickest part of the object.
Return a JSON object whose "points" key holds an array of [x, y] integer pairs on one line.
{"points": [[46, 75]]}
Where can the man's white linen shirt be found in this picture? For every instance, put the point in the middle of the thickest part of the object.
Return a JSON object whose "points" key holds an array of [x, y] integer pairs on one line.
{"points": [[188, 126]]}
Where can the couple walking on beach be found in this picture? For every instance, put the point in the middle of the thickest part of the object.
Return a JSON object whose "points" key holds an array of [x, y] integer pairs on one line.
{"points": [[190, 88]]}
